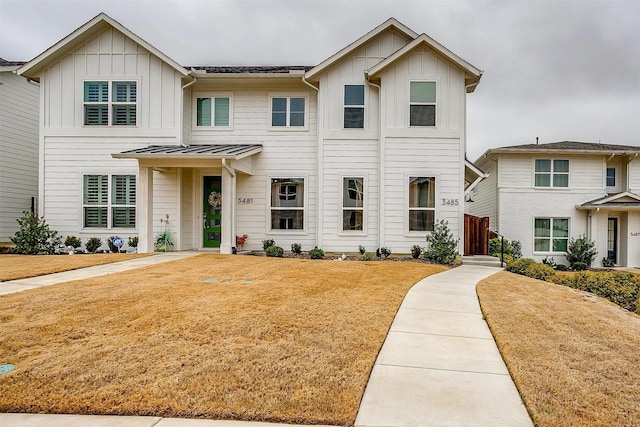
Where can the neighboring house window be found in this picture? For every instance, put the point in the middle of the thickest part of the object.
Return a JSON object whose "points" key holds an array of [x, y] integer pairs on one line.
{"points": [[611, 177], [287, 203], [552, 173], [422, 203], [110, 104], [213, 111], [422, 104], [288, 112], [551, 234], [109, 204], [353, 106], [352, 204]]}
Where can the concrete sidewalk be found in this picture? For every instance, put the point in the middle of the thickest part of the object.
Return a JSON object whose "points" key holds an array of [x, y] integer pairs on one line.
{"points": [[18, 285], [439, 365]]}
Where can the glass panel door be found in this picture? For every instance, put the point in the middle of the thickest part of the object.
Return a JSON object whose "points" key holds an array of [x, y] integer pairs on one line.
{"points": [[612, 240], [212, 216]]}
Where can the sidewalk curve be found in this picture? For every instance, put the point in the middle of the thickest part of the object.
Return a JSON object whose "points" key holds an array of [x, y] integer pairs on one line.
{"points": [[439, 365]]}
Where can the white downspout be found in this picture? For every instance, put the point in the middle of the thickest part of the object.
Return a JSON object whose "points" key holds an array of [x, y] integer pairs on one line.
{"points": [[233, 202], [590, 221], [319, 166], [181, 131], [381, 165]]}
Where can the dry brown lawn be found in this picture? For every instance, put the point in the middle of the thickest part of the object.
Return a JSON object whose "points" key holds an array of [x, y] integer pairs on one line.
{"points": [[22, 266], [213, 336], [573, 357]]}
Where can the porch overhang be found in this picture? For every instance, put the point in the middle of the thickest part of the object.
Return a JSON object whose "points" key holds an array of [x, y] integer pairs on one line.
{"points": [[192, 152], [624, 202], [472, 176]]}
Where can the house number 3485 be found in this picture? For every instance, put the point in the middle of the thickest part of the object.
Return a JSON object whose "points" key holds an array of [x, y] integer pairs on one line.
{"points": [[450, 202]]}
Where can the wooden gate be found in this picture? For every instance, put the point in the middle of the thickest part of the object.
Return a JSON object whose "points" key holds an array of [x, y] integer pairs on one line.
{"points": [[476, 235]]}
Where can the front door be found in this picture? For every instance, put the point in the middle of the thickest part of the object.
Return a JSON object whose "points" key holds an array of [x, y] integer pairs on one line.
{"points": [[612, 240], [212, 216]]}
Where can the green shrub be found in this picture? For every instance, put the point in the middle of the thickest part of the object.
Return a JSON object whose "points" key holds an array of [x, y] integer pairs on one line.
{"points": [[275, 251], [361, 249], [607, 262], [581, 250], [539, 271], [561, 267], [495, 246], [508, 259], [267, 243], [316, 253], [619, 287], [441, 245], [385, 252], [416, 250], [93, 244], [520, 265], [516, 249], [132, 241], [549, 261], [367, 256], [34, 236], [73, 241], [113, 248], [296, 248], [580, 266]]}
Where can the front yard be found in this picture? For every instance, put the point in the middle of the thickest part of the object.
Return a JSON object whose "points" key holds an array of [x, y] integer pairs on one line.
{"points": [[212, 336]]}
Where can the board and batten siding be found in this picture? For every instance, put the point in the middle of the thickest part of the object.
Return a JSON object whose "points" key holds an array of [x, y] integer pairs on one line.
{"points": [[18, 150], [634, 175]]}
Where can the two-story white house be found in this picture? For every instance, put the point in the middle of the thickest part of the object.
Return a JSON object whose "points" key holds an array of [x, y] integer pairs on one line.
{"points": [[545, 194], [19, 128], [365, 148]]}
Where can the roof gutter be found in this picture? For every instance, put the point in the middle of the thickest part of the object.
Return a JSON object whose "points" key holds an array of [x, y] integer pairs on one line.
{"points": [[186, 85]]}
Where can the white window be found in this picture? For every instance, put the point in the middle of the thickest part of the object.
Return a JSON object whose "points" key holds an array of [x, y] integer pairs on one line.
{"points": [[354, 106], [109, 203], [288, 112], [352, 204], [422, 203], [552, 173], [422, 104], [550, 234], [110, 103], [213, 111], [287, 203]]}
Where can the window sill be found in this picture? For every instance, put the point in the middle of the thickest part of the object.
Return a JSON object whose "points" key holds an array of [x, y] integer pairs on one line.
{"points": [[353, 233], [288, 129]]}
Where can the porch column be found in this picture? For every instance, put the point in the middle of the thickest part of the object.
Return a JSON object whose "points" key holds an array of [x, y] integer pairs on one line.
{"points": [[228, 237], [144, 208]]}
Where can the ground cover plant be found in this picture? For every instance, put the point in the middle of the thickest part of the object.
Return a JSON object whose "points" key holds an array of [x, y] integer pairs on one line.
{"points": [[573, 357], [211, 336], [22, 266]]}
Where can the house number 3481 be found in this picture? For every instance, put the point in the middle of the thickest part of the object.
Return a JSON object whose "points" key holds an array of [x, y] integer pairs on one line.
{"points": [[450, 202]]}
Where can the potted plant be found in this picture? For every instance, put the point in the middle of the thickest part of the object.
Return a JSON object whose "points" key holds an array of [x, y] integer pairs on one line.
{"points": [[240, 240]]}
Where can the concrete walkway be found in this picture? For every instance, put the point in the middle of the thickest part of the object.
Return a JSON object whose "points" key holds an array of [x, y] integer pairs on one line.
{"points": [[439, 365], [11, 286]]}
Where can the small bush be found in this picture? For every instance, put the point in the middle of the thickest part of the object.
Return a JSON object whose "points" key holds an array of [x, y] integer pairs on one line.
{"points": [[132, 241], [316, 253], [516, 249], [416, 250], [296, 248], [581, 250], [113, 248], [441, 245], [34, 236], [73, 241], [361, 249], [367, 256], [267, 243], [385, 252], [607, 262], [561, 267], [495, 246], [580, 266], [520, 265], [550, 262], [508, 259], [275, 251], [539, 271], [93, 244]]}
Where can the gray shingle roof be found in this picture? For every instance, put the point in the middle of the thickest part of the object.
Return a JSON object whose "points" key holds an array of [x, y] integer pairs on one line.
{"points": [[219, 151], [572, 146], [274, 69], [5, 63]]}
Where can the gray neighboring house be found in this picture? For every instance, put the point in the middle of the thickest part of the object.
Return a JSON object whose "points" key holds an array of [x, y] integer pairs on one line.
{"points": [[19, 101]]}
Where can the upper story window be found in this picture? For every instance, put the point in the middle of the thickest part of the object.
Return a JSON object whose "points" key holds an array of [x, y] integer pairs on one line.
{"points": [[109, 201], [611, 177], [110, 103], [213, 111], [288, 112], [352, 204], [287, 203], [552, 173], [422, 203], [354, 106], [422, 104]]}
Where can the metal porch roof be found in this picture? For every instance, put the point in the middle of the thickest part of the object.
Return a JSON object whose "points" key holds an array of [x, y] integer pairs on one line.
{"points": [[196, 151]]}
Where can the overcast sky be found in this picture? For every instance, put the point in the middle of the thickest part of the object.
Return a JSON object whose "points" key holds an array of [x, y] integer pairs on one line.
{"points": [[557, 70]]}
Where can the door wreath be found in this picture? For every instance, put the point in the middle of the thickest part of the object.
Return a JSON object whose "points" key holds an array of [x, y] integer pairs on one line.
{"points": [[215, 199]]}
